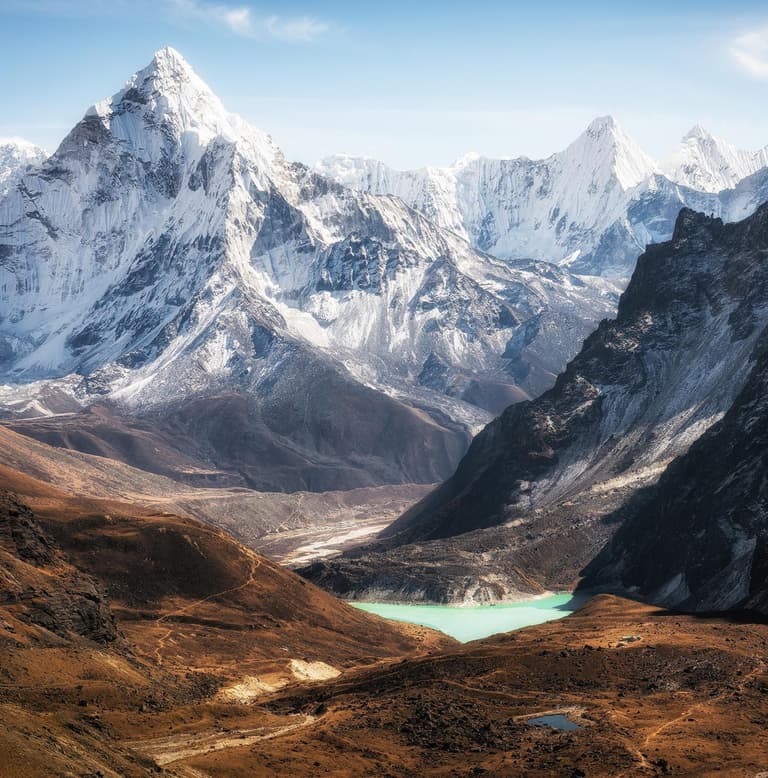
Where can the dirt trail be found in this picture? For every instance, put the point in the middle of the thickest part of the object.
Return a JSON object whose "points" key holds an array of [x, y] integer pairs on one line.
{"points": [[166, 750], [184, 771], [642, 763], [255, 563]]}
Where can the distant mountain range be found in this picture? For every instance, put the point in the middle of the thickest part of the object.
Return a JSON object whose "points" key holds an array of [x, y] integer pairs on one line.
{"points": [[592, 207], [284, 328], [545, 485]]}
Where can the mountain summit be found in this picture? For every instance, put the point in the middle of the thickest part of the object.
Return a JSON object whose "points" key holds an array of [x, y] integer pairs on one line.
{"points": [[167, 261], [168, 99], [605, 143], [710, 164]]}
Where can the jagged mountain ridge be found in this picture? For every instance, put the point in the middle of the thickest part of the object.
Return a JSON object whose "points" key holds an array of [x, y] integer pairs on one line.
{"points": [[592, 207], [167, 259], [710, 164], [518, 207], [529, 499]]}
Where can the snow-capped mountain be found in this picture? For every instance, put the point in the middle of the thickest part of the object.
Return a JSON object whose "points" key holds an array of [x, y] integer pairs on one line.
{"points": [[167, 253], [527, 506], [16, 154], [709, 164], [592, 207], [551, 209]]}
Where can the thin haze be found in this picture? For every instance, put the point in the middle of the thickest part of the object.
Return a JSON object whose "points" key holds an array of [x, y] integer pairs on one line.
{"points": [[409, 83]]}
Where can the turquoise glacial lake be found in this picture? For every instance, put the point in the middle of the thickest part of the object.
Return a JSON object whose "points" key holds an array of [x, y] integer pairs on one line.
{"points": [[467, 623]]}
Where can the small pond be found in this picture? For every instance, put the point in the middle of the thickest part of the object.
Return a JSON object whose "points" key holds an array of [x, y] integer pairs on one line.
{"points": [[555, 720]]}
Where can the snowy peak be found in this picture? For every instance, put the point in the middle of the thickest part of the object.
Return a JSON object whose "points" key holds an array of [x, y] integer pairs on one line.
{"points": [[168, 95], [166, 116], [593, 206], [602, 124], [466, 159], [356, 172], [16, 154], [710, 164], [139, 206], [697, 132], [606, 149], [169, 75], [169, 63], [19, 148]]}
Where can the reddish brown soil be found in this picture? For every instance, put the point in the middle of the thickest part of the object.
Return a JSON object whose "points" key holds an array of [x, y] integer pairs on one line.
{"points": [[690, 697], [205, 629], [168, 615]]}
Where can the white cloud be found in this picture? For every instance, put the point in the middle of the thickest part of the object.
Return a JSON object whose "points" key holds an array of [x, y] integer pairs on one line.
{"points": [[751, 52], [242, 21], [302, 28]]}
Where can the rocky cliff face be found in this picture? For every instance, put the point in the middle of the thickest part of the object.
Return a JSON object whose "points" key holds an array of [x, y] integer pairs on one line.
{"points": [[698, 540], [643, 388], [40, 587]]}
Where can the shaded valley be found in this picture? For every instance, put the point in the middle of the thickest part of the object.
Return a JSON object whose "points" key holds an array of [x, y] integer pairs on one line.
{"points": [[545, 485], [246, 403]]}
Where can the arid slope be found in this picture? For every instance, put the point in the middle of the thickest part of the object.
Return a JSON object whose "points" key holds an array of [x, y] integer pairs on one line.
{"points": [[111, 615]]}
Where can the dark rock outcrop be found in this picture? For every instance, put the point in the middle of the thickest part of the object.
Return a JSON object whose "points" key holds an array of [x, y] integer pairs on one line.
{"points": [[698, 540], [691, 305], [642, 389], [40, 587]]}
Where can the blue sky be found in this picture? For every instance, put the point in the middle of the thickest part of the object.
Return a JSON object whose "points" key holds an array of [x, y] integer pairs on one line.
{"points": [[407, 82]]}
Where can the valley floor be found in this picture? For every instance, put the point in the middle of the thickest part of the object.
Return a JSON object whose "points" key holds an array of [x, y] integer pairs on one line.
{"points": [[291, 528], [307, 544], [652, 692], [134, 642]]}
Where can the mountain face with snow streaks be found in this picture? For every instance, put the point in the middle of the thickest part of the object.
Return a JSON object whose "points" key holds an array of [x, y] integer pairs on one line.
{"points": [[592, 207], [169, 261], [517, 208], [529, 500], [709, 164]]}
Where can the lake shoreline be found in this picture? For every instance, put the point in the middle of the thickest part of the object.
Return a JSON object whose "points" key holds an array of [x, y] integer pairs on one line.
{"points": [[467, 623], [465, 603]]}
